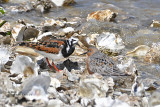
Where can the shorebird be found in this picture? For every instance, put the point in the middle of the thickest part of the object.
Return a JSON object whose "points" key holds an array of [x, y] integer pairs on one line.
{"points": [[98, 62], [53, 48]]}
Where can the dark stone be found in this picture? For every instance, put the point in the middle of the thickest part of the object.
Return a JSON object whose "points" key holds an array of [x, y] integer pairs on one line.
{"points": [[70, 65], [30, 33]]}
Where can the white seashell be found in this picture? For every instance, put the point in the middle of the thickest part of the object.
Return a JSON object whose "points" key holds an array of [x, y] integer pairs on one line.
{"points": [[58, 2], [92, 38], [45, 73], [49, 22], [88, 40], [145, 102], [72, 23], [36, 88], [60, 23], [18, 106], [110, 41], [110, 82], [37, 93], [68, 29], [55, 103], [71, 76], [139, 51], [63, 97], [52, 90], [26, 51], [85, 102], [154, 100], [127, 65], [108, 102], [40, 8], [42, 35], [93, 88], [21, 63], [55, 83], [62, 2], [17, 31], [4, 55]]}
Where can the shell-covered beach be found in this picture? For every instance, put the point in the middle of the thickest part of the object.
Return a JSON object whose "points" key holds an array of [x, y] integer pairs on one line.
{"points": [[126, 32]]}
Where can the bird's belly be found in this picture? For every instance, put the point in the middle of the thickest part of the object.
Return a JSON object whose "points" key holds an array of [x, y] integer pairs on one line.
{"points": [[50, 55]]}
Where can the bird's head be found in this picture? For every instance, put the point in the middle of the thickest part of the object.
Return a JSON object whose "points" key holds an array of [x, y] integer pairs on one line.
{"points": [[72, 41], [90, 50]]}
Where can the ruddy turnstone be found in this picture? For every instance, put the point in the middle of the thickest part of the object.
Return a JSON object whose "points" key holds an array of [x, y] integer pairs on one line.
{"points": [[53, 48], [98, 62]]}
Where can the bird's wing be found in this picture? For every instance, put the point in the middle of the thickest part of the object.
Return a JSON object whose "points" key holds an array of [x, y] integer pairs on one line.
{"points": [[104, 65], [48, 46]]}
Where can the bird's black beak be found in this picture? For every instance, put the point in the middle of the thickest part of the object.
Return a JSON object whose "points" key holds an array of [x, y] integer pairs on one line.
{"points": [[84, 53]]}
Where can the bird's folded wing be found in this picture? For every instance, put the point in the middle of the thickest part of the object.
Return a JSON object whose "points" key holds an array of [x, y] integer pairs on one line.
{"points": [[104, 66], [49, 46]]}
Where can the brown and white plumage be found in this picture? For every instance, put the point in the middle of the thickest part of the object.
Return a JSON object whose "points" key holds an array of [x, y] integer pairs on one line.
{"points": [[53, 48]]}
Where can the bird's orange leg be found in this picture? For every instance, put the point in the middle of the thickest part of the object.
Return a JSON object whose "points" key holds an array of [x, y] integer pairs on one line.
{"points": [[48, 63], [55, 67]]}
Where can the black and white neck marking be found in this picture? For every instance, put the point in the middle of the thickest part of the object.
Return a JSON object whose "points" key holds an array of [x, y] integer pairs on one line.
{"points": [[69, 47]]}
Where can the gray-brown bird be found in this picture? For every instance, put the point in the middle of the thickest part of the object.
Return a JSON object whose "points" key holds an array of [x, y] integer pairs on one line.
{"points": [[98, 62]]}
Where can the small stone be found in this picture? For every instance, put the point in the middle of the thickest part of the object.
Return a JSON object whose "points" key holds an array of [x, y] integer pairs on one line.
{"points": [[5, 27], [102, 15], [30, 33], [20, 8], [70, 65], [7, 40], [153, 54], [42, 5], [155, 23]]}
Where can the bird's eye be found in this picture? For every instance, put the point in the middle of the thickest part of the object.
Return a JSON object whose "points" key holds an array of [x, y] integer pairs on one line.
{"points": [[73, 40], [89, 50]]}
